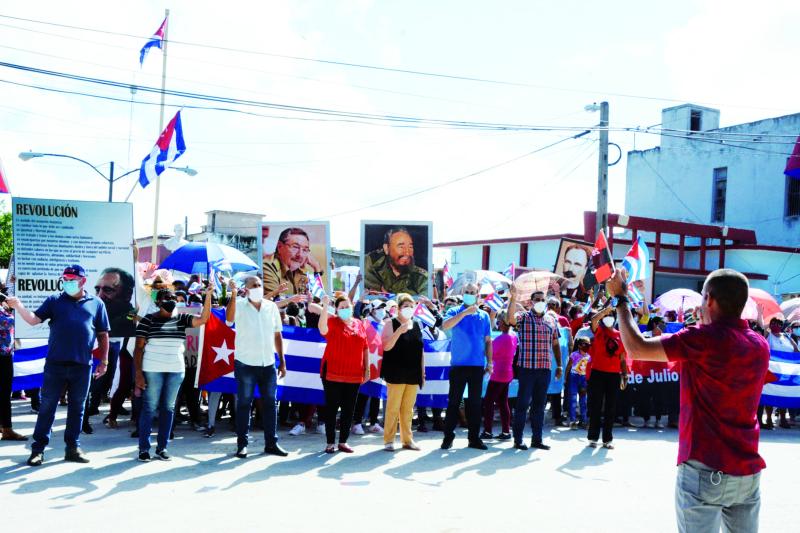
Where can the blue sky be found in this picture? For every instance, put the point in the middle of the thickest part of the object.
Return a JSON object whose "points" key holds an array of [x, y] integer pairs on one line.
{"points": [[729, 55]]}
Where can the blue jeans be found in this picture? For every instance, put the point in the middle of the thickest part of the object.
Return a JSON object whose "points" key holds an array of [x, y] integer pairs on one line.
{"points": [[533, 384], [247, 377], [161, 392], [577, 383], [704, 498], [76, 379]]}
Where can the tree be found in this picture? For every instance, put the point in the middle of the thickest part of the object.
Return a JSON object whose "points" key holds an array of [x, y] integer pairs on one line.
{"points": [[6, 241]]}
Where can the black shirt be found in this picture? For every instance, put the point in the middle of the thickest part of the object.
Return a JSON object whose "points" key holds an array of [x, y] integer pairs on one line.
{"points": [[403, 363]]}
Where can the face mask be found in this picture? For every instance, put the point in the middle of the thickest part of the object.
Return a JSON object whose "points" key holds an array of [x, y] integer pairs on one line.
{"points": [[72, 287], [608, 321], [345, 313], [180, 305], [407, 312], [255, 294], [379, 314], [775, 330], [796, 332], [153, 295], [470, 299], [539, 307], [169, 306]]}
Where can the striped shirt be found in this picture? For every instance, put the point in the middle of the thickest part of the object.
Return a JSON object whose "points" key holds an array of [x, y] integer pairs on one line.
{"points": [[166, 339], [536, 336]]}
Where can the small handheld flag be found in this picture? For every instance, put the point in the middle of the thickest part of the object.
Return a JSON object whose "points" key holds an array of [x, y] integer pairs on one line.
{"points": [[169, 147], [495, 302], [602, 265], [315, 286], [637, 260], [422, 314], [510, 271], [447, 277], [157, 41]]}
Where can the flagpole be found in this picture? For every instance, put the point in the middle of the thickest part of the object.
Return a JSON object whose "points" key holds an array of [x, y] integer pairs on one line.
{"points": [[154, 247]]}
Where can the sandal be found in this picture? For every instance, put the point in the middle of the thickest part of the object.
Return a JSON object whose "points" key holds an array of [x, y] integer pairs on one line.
{"points": [[330, 448], [10, 434], [343, 447], [411, 446], [608, 446]]}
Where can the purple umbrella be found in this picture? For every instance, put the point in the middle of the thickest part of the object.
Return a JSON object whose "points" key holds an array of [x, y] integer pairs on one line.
{"points": [[678, 299]]}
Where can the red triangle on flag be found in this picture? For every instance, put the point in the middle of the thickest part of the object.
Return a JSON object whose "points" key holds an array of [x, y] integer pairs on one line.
{"points": [[217, 352], [3, 181], [793, 162]]}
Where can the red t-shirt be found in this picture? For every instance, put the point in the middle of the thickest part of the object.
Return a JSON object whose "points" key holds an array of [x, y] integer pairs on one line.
{"points": [[576, 324], [722, 371], [605, 350], [343, 360]]}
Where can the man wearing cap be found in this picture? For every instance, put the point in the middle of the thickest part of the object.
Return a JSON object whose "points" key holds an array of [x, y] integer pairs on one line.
{"points": [[76, 320]]}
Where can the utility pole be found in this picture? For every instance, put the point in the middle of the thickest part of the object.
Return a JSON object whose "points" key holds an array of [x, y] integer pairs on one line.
{"points": [[602, 172], [111, 183]]}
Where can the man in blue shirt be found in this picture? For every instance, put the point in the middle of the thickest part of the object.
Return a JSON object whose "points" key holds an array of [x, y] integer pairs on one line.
{"points": [[470, 358], [76, 320]]}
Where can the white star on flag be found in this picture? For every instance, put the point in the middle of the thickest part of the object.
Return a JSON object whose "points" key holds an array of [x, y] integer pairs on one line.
{"points": [[223, 353]]}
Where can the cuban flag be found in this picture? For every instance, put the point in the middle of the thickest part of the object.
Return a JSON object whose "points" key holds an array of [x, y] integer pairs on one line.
{"points": [[793, 162], [3, 181], [447, 277], [169, 147], [510, 271], [637, 260], [315, 286], [495, 302], [424, 315], [782, 386], [635, 295], [157, 41]]}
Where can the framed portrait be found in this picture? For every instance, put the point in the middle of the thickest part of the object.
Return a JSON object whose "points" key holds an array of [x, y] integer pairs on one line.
{"points": [[574, 265], [396, 256], [292, 251]]}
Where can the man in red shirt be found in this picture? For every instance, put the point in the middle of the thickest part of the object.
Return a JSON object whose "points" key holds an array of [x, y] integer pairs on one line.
{"points": [[722, 370]]}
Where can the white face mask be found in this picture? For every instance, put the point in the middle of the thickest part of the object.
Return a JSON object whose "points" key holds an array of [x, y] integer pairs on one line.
{"points": [[407, 312], [539, 307], [608, 321], [255, 294], [379, 314]]}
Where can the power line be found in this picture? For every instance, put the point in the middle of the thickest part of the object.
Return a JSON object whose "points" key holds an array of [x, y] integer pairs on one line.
{"points": [[377, 67], [455, 180]]}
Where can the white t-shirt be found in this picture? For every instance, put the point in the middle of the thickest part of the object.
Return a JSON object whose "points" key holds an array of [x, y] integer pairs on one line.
{"points": [[166, 342], [255, 332]]}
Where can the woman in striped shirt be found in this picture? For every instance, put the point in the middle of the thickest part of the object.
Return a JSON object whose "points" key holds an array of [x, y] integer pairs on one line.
{"points": [[158, 359]]}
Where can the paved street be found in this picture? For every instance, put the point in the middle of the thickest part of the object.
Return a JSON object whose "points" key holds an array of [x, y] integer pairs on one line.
{"points": [[570, 488]]}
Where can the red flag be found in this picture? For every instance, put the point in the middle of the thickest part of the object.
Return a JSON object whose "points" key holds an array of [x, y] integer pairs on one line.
{"points": [[793, 162], [602, 264], [3, 181], [217, 353]]}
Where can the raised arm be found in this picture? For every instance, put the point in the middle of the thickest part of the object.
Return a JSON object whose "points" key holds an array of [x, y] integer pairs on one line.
{"points": [[230, 309], [206, 314], [26, 315], [323, 316], [635, 344]]}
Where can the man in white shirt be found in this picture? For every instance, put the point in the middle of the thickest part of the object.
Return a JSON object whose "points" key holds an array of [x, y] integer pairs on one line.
{"points": [[258, 338]]}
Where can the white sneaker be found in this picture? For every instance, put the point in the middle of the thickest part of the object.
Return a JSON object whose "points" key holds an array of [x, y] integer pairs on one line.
{"points": [[320, 429], [299, 429], [389, 447], [375, 428], [358, 429]]}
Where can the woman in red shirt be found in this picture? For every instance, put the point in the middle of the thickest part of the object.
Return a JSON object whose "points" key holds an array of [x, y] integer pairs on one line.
{"points": [[344, 367]]}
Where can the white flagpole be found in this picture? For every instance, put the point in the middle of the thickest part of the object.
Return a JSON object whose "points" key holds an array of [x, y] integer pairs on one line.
{"points": [[154, 248]]}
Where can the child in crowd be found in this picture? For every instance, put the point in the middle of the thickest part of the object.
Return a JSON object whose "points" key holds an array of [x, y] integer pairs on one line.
{"points": [[576, 368]]}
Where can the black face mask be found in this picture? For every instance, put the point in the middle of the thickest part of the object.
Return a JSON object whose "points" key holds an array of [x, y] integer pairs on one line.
{"points": [[169, 306]]}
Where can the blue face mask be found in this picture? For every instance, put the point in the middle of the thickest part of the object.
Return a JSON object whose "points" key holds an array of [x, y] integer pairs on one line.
{"points": [[72, 287], [470, 299], [345, 314], [796, 332]]}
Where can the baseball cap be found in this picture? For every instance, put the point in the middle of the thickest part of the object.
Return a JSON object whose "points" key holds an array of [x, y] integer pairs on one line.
{"points": [[376, 304], [74, 270], [391, 303]]}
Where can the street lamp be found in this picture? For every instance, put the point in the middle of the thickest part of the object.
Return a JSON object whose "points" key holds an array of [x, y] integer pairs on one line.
{"points": [[27, 156]]}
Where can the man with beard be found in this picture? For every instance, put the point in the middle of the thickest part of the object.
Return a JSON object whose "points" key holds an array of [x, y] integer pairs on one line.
{"points": [[115, 288], [576, 261], [391, 269], [292, 262]]}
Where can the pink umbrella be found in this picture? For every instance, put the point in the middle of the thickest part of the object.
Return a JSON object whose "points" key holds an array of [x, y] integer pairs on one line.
{"points": [[678, 299], [767, 302], [790, 308]]}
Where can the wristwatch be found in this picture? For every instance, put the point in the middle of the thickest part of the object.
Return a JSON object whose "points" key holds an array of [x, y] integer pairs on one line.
{"points": [[616, 301]]}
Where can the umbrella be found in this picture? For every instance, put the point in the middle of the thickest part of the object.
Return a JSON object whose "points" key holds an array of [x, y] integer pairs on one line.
{"points": [[195, 258], [767, 302], [790, 308], [480, 277], [677, 299], [536, 280]]}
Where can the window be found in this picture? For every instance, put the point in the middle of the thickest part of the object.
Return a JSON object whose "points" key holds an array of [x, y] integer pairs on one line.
{"points": [[695, 120], [792, 197], [718, 194]]}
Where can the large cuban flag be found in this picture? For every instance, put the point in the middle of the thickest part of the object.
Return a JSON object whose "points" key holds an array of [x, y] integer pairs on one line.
{"points": [[783, 381], [156, 41], [169, 147]]}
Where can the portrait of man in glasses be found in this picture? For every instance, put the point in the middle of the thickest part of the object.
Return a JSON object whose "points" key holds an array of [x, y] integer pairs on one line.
{"points": [[293, 262], [115, 288]]}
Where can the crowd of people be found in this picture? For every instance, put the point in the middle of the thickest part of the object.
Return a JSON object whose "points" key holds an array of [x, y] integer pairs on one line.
{"points": [[603, 386]]}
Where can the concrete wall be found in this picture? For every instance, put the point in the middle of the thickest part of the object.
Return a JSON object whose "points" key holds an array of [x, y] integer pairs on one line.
{"points": [[674, 181]]}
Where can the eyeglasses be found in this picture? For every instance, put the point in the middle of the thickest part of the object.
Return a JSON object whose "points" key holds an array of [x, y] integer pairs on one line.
{"points": [[296, 248]]}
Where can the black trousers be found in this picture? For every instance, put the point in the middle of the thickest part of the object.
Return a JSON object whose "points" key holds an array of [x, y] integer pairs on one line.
{"points": [[6, 377], [626, 399], [651, 399], [361, 406], [98, 390], [339, 396], [602, 390], [460, 378], [190, 395], [555, 406]]}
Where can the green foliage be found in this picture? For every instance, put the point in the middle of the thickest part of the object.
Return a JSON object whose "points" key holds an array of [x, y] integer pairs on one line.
{"points": [[6, 242]]}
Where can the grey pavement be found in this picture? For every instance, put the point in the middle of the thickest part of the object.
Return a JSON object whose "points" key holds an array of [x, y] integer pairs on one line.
{"points": [[569, 488]]}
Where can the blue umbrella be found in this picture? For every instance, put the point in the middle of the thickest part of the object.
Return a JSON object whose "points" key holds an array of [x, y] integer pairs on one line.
{"points": [[198, 257]]}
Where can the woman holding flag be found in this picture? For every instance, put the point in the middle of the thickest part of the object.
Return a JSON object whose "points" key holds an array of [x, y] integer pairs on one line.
{"points": [[403, 369], [344, 367]]}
